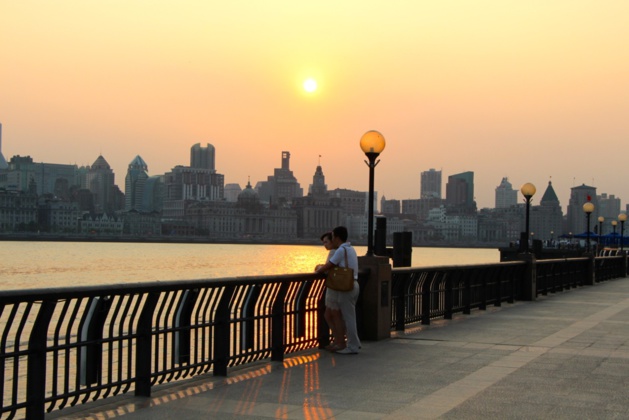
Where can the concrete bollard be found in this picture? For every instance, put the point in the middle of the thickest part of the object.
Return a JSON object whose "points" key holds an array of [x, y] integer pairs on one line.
{"points": [[376, 298]]}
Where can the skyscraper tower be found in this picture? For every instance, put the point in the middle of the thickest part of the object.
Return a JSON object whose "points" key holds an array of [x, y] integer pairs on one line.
{"points": [[318, 186], [506, 196], [203, 157], [100, 181], [460, 191], [430, 184], [137, 174]]}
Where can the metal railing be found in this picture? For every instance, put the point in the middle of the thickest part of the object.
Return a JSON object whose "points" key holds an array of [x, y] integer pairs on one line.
{"points": [[422, 294], [62, 347]]}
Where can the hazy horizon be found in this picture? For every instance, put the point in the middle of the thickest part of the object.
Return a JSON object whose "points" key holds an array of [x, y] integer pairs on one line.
{"points": [[533, 91]]}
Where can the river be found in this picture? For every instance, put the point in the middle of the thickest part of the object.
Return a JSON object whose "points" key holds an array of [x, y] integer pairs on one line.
{"points": [[27, 265]]}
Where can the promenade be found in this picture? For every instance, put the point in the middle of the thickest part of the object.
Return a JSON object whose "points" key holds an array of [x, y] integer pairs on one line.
{"points": [[562, 356]]}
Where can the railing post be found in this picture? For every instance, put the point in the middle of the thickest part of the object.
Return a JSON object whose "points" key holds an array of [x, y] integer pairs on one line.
{"points": [[277, 324], [36, 370], [528, 290], [376, 305], [623, 254], [144, 347], [222, 336], [590, 274]]}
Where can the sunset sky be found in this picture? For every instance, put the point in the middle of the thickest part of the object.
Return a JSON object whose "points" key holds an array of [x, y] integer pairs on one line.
{"points": [[533, 90]]}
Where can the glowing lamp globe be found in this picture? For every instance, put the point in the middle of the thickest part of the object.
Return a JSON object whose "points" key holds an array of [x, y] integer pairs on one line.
{"points": [[622, 217], [588, 207], [528, 190], [372, 142]]}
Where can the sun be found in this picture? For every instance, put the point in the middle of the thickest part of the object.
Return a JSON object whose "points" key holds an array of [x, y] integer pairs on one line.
{"points": [[310, 85]]}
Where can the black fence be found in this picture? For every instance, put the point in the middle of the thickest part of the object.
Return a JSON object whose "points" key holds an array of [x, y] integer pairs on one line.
{"points": [[62, 347], [422, 294]]}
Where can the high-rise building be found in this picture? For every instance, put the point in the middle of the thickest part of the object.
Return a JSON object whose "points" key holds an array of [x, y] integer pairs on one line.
{"points": [[203, 157], [577, 220], [506, 196], [137, 175], [100, 181], [608, 207], [460, 191], [282, 187], [430, 184]]}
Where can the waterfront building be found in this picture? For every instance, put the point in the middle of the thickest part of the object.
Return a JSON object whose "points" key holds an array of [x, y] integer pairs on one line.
{"points": [[506, 196], [430, 184], [319, 211], [100, 181], [101, 224], [153, 194], [22, 174], [57, 216], [576, 219], [231, 192], [203, 157], [247, 219], [353, 202], [390, 207], [280, 188], [135, 181], [418, 208], [500, 225], [546, 220], [609, 208], [142, 223], [452, 224], [186, 183], [18, 211], [460, 191]]}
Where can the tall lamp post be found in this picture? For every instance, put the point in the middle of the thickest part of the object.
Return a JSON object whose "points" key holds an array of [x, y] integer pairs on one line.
{"points": [[614, 224], [528, 191], [588, 208], [372, 144], [623, 218]]}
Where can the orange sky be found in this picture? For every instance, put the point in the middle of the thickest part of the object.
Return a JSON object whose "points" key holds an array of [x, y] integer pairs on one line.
{"points": [[529, 90]]}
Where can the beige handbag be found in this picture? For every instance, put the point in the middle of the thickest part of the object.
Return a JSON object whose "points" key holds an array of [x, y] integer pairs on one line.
{"points": [[340, 279]]}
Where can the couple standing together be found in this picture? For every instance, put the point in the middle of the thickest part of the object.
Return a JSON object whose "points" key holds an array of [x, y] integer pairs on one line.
{"points": [[340, 311]]}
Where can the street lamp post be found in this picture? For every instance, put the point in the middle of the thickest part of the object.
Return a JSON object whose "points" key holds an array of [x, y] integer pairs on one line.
{"points": [[528, 191], [588, 208], [601, 219], [614, 224], [623, 218], [372, 144]]}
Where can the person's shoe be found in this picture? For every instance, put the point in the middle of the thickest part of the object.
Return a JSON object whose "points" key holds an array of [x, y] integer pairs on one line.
{"points": [[346, 350]]}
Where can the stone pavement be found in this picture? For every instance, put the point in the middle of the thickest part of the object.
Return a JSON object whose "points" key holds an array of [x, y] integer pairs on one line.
{"points": [[562, 356]]}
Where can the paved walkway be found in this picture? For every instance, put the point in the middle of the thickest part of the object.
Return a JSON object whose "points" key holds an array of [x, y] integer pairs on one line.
{"points": [[562, 356]]}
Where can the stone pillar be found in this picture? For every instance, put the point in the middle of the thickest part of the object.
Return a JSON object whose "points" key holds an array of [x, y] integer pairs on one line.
{"points": [[528, 290], [376, 298], [623, 254]]}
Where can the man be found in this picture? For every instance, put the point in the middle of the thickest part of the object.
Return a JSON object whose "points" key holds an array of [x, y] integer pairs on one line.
{"points": [[346, 300]]}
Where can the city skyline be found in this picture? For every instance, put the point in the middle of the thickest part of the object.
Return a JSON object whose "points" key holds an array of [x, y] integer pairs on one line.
{"points": [[533, 92]]}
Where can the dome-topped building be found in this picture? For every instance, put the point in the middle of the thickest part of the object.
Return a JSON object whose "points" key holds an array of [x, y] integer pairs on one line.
{"points": [[249, 198]]}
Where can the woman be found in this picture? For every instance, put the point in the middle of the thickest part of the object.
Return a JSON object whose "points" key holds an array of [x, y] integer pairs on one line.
{"points": [[332, 313]]}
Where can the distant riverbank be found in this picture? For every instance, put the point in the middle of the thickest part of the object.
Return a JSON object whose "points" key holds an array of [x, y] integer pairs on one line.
{"points": [[58, 237]]}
